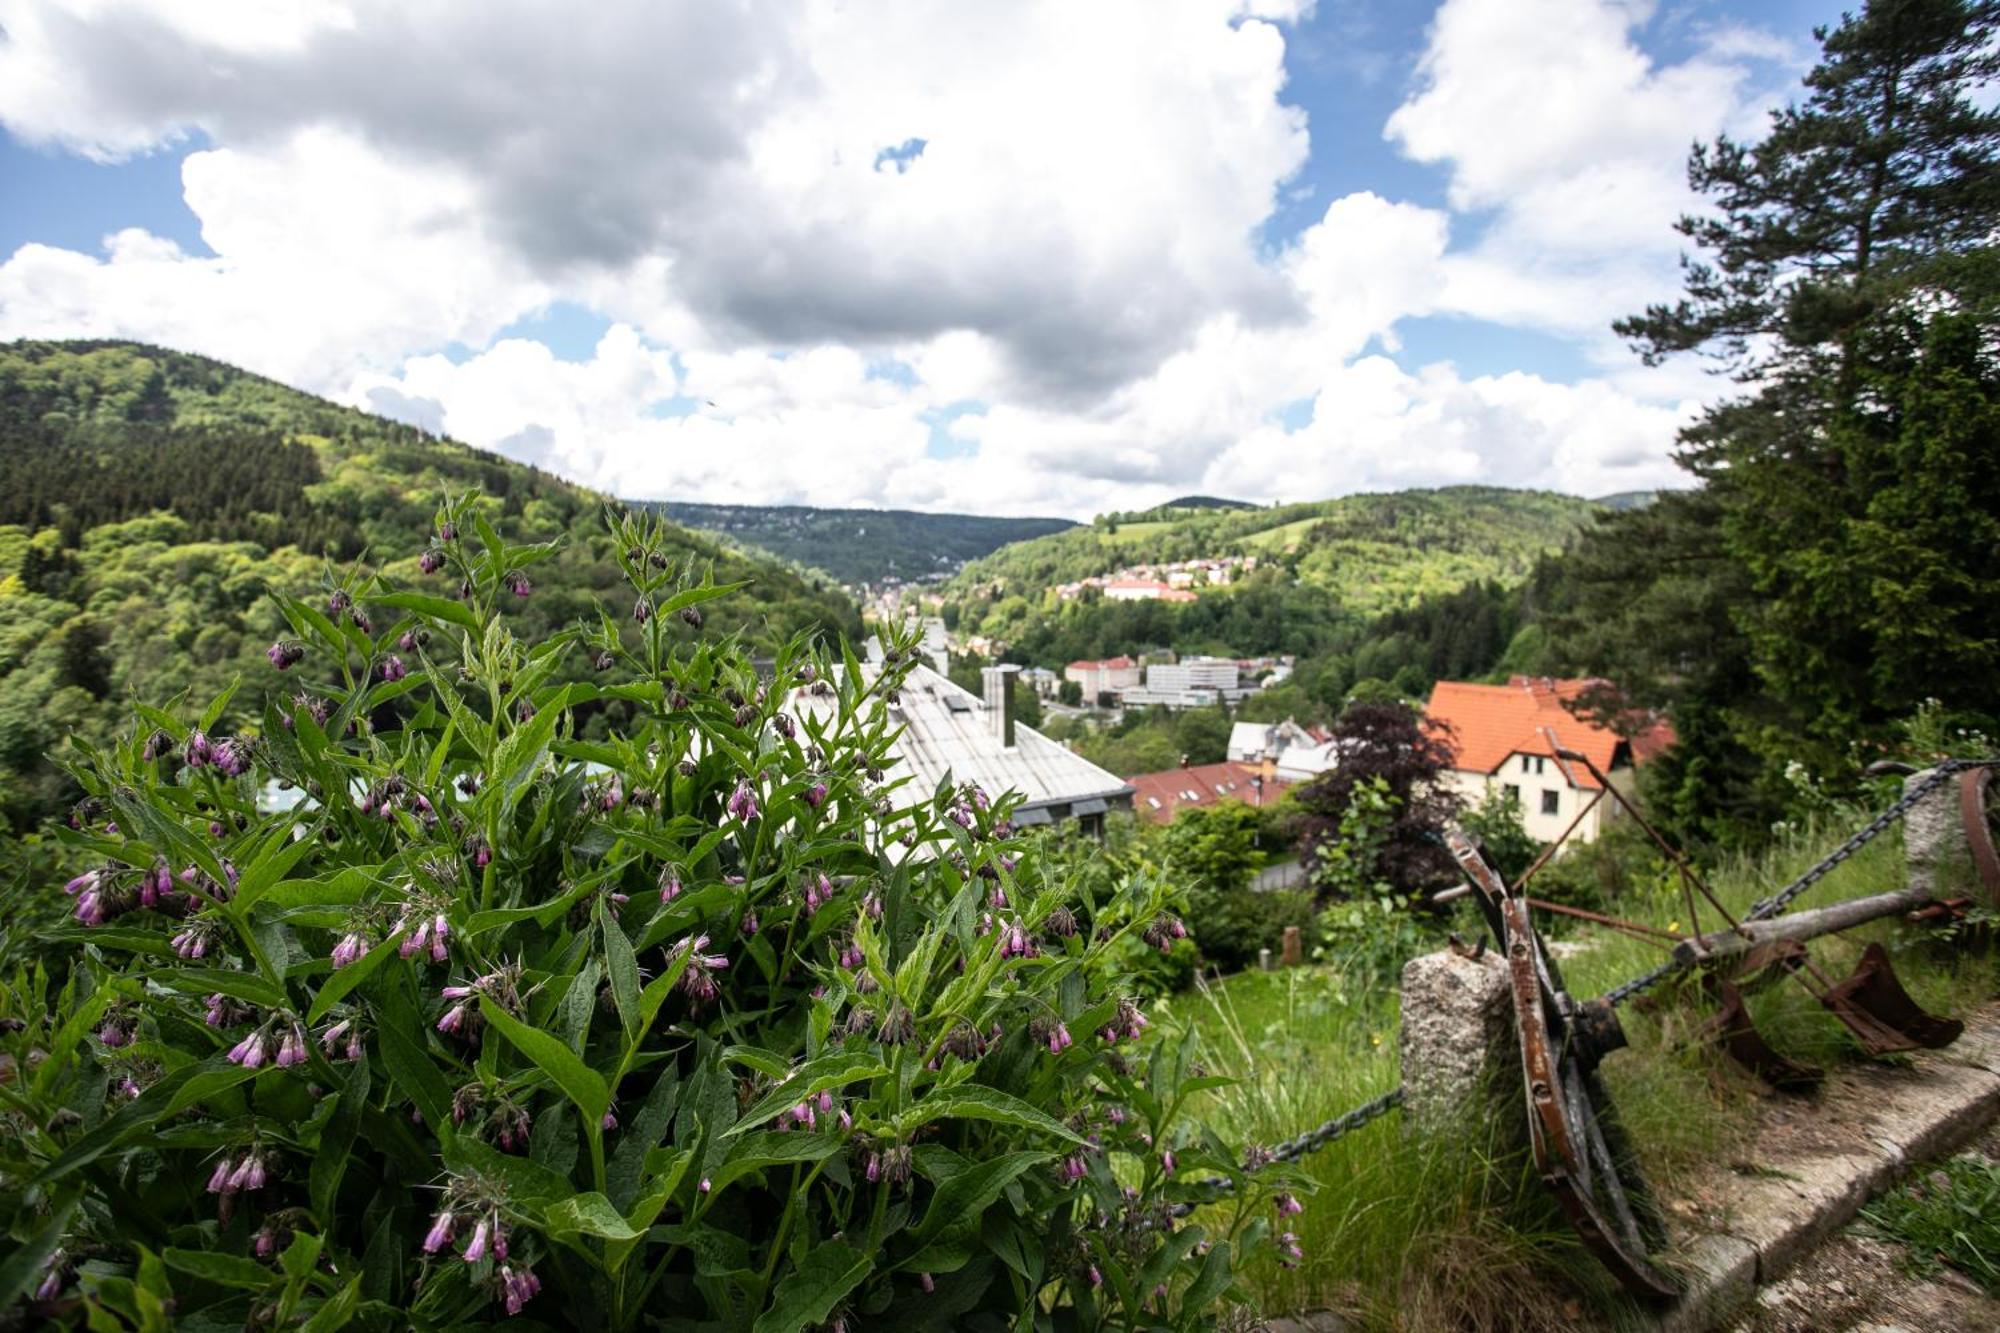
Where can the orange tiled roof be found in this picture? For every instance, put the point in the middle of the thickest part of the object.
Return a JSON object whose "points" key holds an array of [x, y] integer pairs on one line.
{"points": [[1490, 723], [1109, 663], [1156, 796]]}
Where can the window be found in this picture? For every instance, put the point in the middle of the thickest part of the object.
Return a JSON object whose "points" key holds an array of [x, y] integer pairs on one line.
{"points": [[1551, 801], [1513, 789]]}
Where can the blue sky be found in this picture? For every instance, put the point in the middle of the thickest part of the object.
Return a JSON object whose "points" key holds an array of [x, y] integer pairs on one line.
{"points": [[1032, 259]]}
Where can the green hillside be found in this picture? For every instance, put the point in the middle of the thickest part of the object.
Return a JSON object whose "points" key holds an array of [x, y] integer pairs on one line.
{"points": [[149, 499], [860, 546], [1365, 554]]}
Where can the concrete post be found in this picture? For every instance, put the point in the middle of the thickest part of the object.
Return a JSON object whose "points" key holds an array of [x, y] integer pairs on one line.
{"points": [[1265, 962], [1457, 1040], [1934, 846]]}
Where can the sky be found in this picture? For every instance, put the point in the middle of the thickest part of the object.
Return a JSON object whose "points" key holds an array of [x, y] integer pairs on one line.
{"points": [[1017, 257]]}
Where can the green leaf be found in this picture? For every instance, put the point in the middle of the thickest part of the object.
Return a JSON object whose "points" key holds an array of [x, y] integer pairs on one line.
{"points": [[437, 608], [280, 853], [225, 1270], [771, 1148], [399, 1038], [974, 1101], [218, 1076], [346, 886], [336, 1143], [666, 1180], [236, 985], [527, 1181], [347, 978], [809, 1292], [589, 1214], [23, 1268], [69, 1035], [579, 1082], [522, 752], [622, 967], [1211, 1281], [821, 1075], [968, 1193], [135, 1115], [337, 1311]]}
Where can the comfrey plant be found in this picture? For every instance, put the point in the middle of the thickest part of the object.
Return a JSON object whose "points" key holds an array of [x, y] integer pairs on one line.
{"points": [[611, 981]]}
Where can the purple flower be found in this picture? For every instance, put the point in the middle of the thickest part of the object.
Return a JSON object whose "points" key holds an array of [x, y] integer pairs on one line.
{"points": [[249, 1174], [518, 1286], [1074, 1168], [691, 617], [447, 531], [743, 802], [482, 1236], [642, 610], [250, 1052], [232, 757], [338, 603], [786, 727], [1096, 1278], [517, 583], [815, 794], [696, 980], [284, 656], [191, 943], [392, 669], [1059, 1040], [218, 1180], [407, 641], [748, 926], [453, 1020], [198, 751], [440, 930], [292, 1049], [351, 947], [431, 561], [218, 1010], [480, 851], [670, 884], [1289, 1206], [1167, 1162], [924, 1281], [439, 1235]]}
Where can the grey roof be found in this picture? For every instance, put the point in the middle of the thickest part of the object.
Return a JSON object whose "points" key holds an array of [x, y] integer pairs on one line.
{"points": [[948, 735]]}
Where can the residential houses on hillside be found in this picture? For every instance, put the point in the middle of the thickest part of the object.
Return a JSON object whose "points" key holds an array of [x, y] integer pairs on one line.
{"points": [[1158, 796], [1282, 751], [1171, 581], [948, 734], [1507, 738]]}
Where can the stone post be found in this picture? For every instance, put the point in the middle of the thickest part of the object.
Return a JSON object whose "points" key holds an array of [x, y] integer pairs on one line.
{"points": [[1265, 962], [1457, 1040], [1295, 952], [1934, 846]]}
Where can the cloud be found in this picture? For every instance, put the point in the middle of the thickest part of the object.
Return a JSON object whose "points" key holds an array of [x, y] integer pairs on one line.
{"points": [[721, 157], [997, 257]]}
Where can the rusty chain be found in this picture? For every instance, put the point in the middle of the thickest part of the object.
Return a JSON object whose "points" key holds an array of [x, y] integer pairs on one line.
{"points": [[1347, 1122], [1766, 908]]}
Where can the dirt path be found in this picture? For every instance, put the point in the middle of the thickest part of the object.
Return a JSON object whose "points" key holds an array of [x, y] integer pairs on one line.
{"points": [[1858, 1284]]}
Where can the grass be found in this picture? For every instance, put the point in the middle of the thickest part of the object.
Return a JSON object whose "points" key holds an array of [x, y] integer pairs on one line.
{"points": [[1950, 1217], [1453, 1231]]}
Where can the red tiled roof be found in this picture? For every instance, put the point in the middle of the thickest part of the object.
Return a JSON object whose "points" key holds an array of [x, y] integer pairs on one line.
{"points": [[1490, 723], [1112, 663], [1156, 796]]}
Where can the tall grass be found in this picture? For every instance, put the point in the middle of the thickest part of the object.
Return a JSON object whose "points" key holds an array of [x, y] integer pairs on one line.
{"points": [[1453, 1231]]}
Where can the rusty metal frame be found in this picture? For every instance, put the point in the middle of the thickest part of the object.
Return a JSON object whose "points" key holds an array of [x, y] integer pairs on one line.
{"points": [[1972, 788], [1579, 1149]]}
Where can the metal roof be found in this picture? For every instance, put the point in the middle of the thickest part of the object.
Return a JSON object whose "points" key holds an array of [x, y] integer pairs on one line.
{"points": [[948, 735]]}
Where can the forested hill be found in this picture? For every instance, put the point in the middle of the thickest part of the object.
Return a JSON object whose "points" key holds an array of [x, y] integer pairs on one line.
{"points": [[860, 546], [149, 499], [1371, 553]]}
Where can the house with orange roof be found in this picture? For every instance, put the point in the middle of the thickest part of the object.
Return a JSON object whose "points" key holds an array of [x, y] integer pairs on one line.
{"points": [[1156, 796], [1507, 737]]}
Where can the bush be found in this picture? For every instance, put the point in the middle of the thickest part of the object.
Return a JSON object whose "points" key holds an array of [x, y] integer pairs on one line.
{"points": [[701, 1024], [1231, 925]]}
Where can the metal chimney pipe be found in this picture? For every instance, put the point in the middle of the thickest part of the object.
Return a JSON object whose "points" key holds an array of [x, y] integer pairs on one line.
{"points": [[999, 689]]}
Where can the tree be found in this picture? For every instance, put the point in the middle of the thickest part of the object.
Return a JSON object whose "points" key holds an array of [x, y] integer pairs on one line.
{"points": [[1827, 577], [1393, 743], [1203, 734]]}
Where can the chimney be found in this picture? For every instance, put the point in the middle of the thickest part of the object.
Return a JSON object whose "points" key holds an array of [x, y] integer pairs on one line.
{"points": [[999, 683]]}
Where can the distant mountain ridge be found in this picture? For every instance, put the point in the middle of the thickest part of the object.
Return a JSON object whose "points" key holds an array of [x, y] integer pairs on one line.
{"points": [[1368, 554], [860, 546]]}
